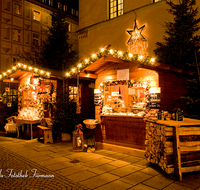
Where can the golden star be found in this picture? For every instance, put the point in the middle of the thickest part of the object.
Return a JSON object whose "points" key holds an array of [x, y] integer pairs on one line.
{"points": [[136, 33]]}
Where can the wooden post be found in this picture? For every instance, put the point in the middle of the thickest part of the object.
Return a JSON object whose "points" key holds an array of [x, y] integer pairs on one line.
{"points": [[177, 154]]}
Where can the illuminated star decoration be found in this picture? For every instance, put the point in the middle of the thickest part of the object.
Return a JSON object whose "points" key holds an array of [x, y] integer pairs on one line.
{"points": [[136, 33]]}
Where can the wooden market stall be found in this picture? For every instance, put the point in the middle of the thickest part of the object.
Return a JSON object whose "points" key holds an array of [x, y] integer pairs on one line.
{"points": [[36, 91], [122, 95]]}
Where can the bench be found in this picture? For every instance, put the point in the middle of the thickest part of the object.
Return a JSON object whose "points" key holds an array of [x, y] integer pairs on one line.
{"points": [[45, 132]]}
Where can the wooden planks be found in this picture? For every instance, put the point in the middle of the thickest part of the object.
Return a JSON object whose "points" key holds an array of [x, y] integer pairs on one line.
{"points": [[176, 149]]}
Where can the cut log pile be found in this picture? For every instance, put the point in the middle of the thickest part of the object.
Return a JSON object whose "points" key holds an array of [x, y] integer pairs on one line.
{"points": [[173, 146]]}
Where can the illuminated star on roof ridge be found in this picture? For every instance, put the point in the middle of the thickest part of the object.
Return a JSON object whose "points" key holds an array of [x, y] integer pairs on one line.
{"points": [[136, 33]]}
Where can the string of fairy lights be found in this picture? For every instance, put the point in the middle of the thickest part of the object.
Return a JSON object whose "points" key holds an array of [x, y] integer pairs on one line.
{"points": [[106, 51], [21, 66]]}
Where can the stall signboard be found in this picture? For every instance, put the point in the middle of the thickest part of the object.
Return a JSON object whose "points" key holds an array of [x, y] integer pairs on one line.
{"points": [[123, 74], [97, 97], [155, 98]]}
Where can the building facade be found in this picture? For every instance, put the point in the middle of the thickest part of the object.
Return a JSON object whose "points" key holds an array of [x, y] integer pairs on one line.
{"points": [[25, 22], [111, 21]]}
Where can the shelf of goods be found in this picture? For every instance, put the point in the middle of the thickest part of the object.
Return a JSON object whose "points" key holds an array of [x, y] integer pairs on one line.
{"points": [[174, 145]]}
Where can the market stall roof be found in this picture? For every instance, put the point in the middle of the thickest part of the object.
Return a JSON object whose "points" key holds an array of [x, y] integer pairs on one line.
{"points": [[107, 57], [16, 73]]}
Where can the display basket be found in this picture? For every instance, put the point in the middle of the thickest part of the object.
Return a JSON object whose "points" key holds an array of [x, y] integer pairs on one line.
{"points": [[91, 123]]}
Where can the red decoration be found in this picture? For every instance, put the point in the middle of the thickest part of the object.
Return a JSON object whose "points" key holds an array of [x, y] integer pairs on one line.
{"points": [[78, 130]]}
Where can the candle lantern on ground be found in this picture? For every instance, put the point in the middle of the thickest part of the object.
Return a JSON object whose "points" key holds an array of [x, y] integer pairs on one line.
{"points": [[78, 140]]}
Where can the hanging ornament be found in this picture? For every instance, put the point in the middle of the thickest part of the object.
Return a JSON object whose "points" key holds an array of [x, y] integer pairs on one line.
{"points": [[7, 89], [9, 104]]}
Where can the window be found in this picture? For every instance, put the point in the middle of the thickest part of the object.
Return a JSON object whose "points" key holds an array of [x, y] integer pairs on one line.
{"points": [[59, 5], [6, 5], [73, 11], [65, 8], [17, 9], [36, 15], [27, 37], [36, 40], [116, 8], [16, 35], [51, 2], [6, 33], [73, 93]]}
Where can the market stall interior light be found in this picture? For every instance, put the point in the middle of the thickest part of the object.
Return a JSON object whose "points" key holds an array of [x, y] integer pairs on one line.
{"points": [[30, 68], [12, 79]]}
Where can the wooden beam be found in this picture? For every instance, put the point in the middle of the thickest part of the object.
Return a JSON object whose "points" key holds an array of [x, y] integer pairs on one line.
{"points": [[177, 154], [88, 75], [8, 80]]}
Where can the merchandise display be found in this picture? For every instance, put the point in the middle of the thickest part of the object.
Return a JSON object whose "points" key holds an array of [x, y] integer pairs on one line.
{"points": [[33, 98]]}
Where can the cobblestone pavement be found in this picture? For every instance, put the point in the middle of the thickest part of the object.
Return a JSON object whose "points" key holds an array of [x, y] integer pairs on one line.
{"points": [[19, 173]]}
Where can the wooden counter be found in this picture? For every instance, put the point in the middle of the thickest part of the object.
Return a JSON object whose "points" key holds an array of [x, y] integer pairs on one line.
{"points": [[128, 131]]}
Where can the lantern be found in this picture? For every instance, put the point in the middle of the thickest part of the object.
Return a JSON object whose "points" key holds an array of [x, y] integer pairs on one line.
{"points": [[78, 140]]}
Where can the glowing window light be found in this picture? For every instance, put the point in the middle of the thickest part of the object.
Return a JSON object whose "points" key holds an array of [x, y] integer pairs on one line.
{"points": [[41, 71], [120, 53], [102, 49], [35, 69], [79, 65]]}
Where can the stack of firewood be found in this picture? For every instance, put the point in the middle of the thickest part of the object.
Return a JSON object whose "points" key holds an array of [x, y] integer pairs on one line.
{"points": [[160, 147]]}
